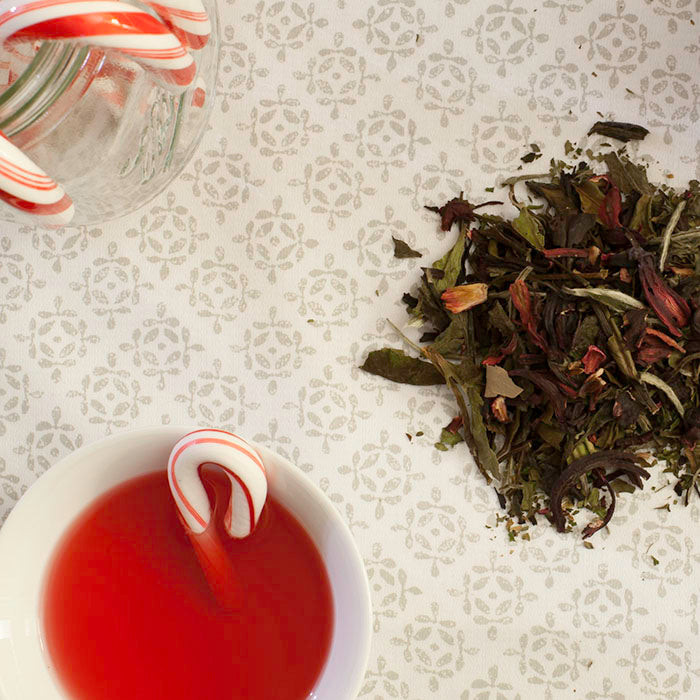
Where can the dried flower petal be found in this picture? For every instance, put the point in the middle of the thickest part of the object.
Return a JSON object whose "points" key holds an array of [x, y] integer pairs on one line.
{"points": [[520, 295], [499, 410], [464, 297], [593, 359]]}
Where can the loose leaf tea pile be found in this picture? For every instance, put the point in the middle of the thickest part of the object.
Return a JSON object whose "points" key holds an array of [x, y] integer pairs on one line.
{"points": [[570, 338]]}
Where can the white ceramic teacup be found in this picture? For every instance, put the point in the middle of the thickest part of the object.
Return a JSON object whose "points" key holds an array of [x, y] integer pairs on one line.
{"points": [[37, 523]]}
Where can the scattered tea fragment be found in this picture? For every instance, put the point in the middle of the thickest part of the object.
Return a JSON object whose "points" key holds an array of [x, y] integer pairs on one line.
{"points": [[569, 336], [621, 131]]}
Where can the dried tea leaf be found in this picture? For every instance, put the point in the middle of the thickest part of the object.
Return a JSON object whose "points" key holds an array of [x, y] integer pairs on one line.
{"points": [[617, 301], [629, 177], [499, 383], [555, 194], [403, 250], [451, 264], [399, 367], [652, 379], [591, 196], [529, 227], [622, 131]]}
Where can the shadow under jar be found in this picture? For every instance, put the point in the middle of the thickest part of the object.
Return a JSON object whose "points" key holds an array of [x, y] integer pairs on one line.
{"points": [[106, 129]]}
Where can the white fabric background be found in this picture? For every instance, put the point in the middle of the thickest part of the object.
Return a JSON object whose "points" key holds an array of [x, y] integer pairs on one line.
{"points": [[248, 294]]}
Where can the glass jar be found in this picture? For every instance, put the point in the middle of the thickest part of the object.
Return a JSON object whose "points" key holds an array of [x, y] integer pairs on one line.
{"points": [[100, 124]]}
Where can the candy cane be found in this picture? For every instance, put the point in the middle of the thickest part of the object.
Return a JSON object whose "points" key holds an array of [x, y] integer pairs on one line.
{"points": [[105, 23], [238, 460], [187, 19], [27, 187]]}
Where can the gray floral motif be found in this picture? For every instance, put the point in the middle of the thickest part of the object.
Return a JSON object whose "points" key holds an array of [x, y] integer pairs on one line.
{"points": [[109, 396], [605, 607], [15, 393], [497, 143], [112, 286], [11, 490], [275, 240], [452, 5], [339, 76], [216, 398], [504, 36], [57, 339], [435, 532], [664, 554], [607, 692], [394, 28], [661, 665], [386, 137], [550, 658], [436, 182], [558, 92], [327, 409], [374, 250], [327, 298], [384, 678], [491, 688], [279, 127], [218, 291], [284, 25], [348, 512], [565, 6], [381, 474], [160, 347], [446, 84], [389, 586], [332, 186], [60, 246], [273, 349], [435, 645], [675, 11], [283, 445], [620, 43], [238, 70], [691, 612], [48, 442], [18, 280], [667, 97], [493, 594], [222, 180]]}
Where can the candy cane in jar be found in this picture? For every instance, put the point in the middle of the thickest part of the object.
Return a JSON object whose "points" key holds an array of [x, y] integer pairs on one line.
{"points": [[246, 473], [187, 19], [25, 186], [105, 23]]}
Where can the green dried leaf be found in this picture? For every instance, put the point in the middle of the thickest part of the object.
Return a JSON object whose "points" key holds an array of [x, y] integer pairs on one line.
{"points": [[451, 264], [617, 301], [399, 367], [660, 384], [448, 439], [586, 335], [622, 131], [529, 227], [591, 197], [403, 250], [629, 177]]}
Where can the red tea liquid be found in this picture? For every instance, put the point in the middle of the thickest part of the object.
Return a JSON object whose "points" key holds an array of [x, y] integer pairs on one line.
{"points": [[129, 614]]}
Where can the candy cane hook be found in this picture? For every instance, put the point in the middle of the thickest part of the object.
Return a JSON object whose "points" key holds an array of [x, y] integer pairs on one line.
{"points": [[241, 463]]}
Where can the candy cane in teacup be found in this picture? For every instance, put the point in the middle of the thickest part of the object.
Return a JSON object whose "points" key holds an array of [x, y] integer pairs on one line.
{"points": [[246, 472], [187, 19], [104, 23], [241, 463], [25, 186]]}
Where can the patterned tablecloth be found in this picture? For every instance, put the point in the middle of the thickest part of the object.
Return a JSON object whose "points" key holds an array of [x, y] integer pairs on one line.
{"points": [[247, 295]]}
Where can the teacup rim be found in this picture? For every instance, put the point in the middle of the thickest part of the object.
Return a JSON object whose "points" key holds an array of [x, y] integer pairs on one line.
{"points": [[350, 547]]}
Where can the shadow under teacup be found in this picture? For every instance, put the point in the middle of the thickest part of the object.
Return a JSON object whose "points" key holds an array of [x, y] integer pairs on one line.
{"points": [[36, 526]]}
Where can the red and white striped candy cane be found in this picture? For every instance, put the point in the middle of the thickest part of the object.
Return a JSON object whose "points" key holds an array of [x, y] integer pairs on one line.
{"points": [[25, 186], [104, 23], [187, 19], [241, 463]]}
